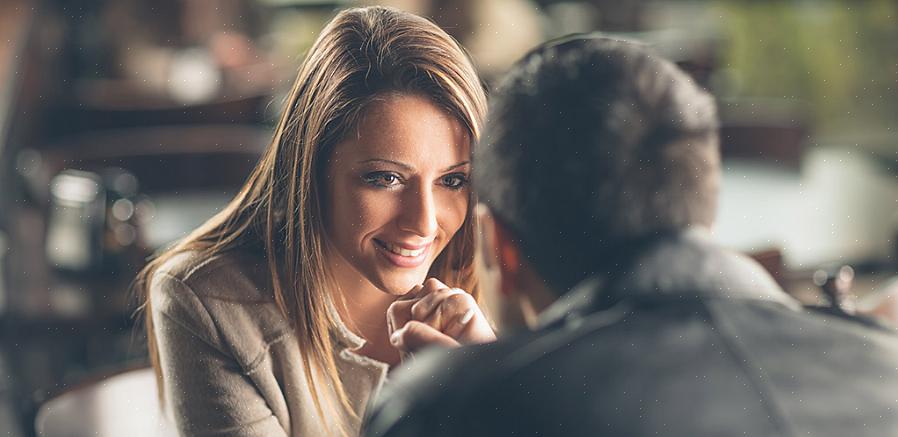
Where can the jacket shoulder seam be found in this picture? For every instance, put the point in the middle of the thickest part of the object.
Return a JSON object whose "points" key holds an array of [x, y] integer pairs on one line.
{"points": [[205, 315], [255, 363]]}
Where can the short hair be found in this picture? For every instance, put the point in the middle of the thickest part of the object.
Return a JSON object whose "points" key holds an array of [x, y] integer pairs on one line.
{"points": [[592, 144]]}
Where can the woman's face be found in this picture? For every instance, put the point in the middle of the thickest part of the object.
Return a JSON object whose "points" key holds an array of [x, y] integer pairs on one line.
{"points": [[397, 192]]}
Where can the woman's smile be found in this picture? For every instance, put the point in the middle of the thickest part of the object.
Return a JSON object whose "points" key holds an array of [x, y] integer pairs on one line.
{"points": [[403, 255]]}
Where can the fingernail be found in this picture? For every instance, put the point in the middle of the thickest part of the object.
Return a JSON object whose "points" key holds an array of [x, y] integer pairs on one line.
{"points": [[395, 337], [467, 316]]}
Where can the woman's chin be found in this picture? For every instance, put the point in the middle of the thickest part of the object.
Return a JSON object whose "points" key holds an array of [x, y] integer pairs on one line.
{"points": [[399, 286]]}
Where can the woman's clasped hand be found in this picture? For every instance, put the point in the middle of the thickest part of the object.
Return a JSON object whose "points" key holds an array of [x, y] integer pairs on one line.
{"points": [[435, 314]]}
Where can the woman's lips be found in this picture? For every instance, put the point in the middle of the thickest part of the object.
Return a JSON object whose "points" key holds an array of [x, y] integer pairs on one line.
{"points": [[402, 255]]}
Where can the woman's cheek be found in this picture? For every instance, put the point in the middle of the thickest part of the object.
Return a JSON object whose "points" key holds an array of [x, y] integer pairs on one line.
{"points": [[373, 208], [454, 211]]}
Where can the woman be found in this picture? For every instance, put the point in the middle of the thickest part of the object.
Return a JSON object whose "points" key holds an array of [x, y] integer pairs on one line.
{"points": [[271, 318]]}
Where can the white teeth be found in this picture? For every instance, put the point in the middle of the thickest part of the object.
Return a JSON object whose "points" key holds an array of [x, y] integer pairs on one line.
{"points": [[404, 252]]}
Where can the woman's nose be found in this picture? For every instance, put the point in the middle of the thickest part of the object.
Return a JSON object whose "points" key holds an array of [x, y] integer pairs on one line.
{"points": [[418, 213]]}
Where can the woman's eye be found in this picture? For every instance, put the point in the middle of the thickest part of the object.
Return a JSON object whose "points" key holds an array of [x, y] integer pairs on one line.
{"points": [[455, 181], [382, 179]]}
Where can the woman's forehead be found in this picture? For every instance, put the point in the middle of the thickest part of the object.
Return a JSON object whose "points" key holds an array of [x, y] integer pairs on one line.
{"points": [[409, 129]]}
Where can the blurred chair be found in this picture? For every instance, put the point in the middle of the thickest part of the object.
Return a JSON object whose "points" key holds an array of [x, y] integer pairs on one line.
{"points": [[124, 404]]}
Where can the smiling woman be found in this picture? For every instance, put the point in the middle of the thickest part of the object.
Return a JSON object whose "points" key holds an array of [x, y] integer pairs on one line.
{"points": [[271, 318], [397, 196], [399, 193]]}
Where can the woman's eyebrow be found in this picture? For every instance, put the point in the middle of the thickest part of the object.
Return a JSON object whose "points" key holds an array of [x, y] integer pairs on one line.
{"points": [[410, 168], [388, 161], [453, 167]]}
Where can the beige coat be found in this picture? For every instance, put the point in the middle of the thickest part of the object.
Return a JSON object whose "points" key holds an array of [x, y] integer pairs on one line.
{"points": [[231, 364]]}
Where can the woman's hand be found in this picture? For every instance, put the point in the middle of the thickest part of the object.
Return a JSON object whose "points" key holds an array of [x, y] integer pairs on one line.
{"points": [[435, 314]]}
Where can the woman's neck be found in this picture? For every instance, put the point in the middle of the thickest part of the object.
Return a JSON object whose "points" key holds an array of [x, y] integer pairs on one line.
{"points": [[365, 313]]}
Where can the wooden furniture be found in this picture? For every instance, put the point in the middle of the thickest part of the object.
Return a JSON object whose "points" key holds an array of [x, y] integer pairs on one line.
{"points": [[772, 131], [105, 108], [165, 159]]}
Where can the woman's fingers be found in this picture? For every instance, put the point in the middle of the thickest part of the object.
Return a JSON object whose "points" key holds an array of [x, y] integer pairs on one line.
{"points": [[426, 308], [457, 326], [448, 306], [469, 326], [428, 298], [455, 313], [416, 335], [452, 312], [399, 312]]}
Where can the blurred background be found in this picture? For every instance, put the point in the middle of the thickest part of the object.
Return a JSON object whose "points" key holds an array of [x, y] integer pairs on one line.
{"points": [[126, 123]]}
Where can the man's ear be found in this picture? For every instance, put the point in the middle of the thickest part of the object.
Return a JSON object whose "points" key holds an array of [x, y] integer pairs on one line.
{"points": [[496, 298], [509, 257], [520, 293], [499, 252]]}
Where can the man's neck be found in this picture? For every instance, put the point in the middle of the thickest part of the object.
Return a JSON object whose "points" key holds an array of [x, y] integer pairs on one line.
{"points": [[629, 253]]}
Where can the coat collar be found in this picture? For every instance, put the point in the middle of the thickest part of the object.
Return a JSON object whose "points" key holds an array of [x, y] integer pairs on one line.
{"points": [[340, 332], [684, 264]]}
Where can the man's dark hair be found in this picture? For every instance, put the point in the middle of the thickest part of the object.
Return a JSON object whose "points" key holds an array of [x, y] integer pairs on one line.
{"points": [[591, 146]]}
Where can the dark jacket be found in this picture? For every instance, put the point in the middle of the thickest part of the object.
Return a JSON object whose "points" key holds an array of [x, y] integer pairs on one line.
{"points": [[692, 340]]}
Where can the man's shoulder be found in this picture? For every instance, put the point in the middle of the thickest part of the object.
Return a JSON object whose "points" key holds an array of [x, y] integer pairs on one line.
{"points": [[437, 369], [726, 353], [438, 385], [450, 391]]}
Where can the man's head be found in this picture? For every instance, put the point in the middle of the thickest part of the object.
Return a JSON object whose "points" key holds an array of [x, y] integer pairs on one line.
{"points": [[591, 145]]}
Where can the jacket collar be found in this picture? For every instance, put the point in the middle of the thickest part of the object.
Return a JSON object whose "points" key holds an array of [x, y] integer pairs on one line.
{"points": [[684, 264], [340, 332]]}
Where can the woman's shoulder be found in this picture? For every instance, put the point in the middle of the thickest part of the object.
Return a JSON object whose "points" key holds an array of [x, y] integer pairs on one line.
{"points": [[232, 275], [225, 298]]}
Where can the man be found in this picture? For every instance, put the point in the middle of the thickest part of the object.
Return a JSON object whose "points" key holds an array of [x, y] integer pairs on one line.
{"points": [[600, 167]]}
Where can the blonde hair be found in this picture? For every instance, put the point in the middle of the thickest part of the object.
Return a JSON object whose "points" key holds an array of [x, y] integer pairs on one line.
{"points": [[361, 54]]}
